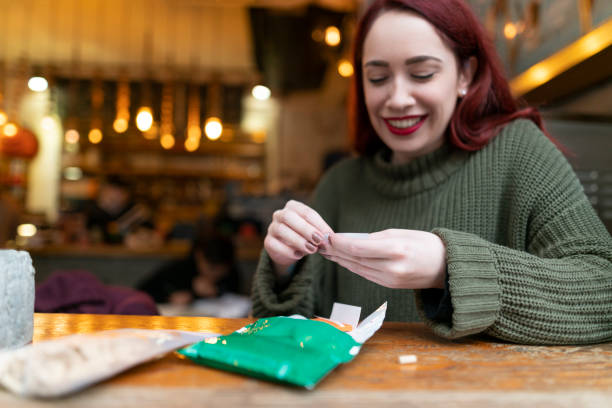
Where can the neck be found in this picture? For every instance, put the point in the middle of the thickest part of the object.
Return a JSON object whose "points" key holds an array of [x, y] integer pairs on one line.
{"points": [[399, 157]]}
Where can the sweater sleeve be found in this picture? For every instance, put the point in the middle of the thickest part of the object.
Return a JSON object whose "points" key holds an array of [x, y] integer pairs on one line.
{"points": [[309, 290], [555, 290]]}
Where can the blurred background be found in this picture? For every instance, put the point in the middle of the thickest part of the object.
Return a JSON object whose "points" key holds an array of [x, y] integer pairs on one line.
{"points": [[129, 128]]}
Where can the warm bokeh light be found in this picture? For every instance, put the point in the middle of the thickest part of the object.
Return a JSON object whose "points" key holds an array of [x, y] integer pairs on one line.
{"points": [[47, 123], [191, 145], [345, 68], [72, 136], [152, 133], [38, 84], [261, 92], [95, 136], [563, 60], [591, 44], [194, 132], [213, 128], [26, 230], [259, 136], [10, 129], [3, 118], [120, 125], [540, 74], [510, 31], [332, 36], [167, 141], [144, 119]]}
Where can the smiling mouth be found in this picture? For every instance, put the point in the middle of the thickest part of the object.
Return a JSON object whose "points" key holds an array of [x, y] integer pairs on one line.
{"points": [[405, 125]]}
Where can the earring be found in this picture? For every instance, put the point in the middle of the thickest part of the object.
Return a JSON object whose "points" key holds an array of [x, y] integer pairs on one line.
{"points": [[462, 92]]}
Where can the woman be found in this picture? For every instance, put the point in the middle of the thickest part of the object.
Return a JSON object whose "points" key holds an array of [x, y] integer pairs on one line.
{"points": [[476, 221]]}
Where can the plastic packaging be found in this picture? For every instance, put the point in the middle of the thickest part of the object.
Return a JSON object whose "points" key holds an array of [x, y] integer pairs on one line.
{"points": [[68, 364], [292, 349]]}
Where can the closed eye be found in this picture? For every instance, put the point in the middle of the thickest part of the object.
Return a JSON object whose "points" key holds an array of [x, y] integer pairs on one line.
{"points": [[422, 77], [377, 80]]}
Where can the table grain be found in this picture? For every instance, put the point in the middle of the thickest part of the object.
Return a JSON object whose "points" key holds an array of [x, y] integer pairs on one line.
{"points": [[472, 372]]}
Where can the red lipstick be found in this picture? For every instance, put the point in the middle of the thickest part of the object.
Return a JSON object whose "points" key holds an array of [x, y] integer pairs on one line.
{"points": [[405, 130]]}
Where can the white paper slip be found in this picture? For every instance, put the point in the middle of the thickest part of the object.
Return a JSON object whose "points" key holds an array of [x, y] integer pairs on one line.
{"points": [[355, 235], [369, 325], [346, 314]]}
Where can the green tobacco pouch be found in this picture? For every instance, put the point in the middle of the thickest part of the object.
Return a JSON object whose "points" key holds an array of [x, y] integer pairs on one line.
{"points": [[293, 349]]}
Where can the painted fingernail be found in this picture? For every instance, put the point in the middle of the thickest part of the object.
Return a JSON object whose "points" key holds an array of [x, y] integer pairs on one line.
{"points": [[310, 247], [316, 238]]}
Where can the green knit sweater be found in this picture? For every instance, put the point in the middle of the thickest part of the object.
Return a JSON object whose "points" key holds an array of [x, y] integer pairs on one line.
{"points": [[528, 259]]}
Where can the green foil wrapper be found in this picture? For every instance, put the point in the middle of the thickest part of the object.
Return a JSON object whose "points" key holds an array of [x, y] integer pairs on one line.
{"points": [[283, 349]]}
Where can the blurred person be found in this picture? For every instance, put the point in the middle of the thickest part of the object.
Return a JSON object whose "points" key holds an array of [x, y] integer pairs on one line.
{"points": [[209, 271], [116, 218], [474, 221]]}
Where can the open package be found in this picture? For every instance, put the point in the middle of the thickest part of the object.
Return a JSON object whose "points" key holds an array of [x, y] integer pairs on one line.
{"points": [[57, 367], [292, 349]]}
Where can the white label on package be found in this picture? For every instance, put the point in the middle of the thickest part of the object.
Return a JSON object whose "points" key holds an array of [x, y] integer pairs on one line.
{"points": [[346, 314]]}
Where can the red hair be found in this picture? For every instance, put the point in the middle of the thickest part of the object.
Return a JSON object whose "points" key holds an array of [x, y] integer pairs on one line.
{"points": [[488, 104]]}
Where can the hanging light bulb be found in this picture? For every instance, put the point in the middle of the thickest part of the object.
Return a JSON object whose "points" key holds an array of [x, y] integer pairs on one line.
{"points": [[95, 136], [10, 129], [38, 84], [332, 36], [192, 144], [194, 132], [213, 128], [261, 92], [120, 125], [72, 136], [167, 141], [144, 119], [345, 68]]}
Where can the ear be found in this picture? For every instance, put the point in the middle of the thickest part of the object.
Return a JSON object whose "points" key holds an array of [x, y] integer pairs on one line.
{"points": [[466, 74]]}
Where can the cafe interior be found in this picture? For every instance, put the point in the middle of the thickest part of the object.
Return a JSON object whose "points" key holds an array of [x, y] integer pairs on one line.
{"points": [[192, 117]]}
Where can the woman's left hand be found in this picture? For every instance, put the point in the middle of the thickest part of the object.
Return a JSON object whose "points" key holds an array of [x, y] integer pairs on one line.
{"points": [[395, 258]]}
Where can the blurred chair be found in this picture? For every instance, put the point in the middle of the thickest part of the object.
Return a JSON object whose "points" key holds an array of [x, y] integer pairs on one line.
{"points": [[81, 292]]}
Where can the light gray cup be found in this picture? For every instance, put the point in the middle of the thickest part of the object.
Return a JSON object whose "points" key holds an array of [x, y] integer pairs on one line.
{"points": [[16, 299]]}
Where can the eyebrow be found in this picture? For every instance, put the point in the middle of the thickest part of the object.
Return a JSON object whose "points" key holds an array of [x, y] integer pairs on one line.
{"points": [[409, 61]]}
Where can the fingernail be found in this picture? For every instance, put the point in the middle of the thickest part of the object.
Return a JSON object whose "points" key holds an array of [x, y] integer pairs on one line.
{"points": [[299, 254], [316, 238], [310, 247]]}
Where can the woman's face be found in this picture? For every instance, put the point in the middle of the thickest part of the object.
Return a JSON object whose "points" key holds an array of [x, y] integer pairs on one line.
{"points": [[411, 83]]}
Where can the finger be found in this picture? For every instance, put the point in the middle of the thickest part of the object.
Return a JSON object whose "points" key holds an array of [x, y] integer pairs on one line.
{"points": [[302, 228], [280, 252], [365, 248], [291, 238], [310, 215], [361, 270], [376, 264]]}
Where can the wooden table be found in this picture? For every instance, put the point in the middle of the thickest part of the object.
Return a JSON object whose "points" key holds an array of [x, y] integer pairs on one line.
{"points": [[467, 373]]}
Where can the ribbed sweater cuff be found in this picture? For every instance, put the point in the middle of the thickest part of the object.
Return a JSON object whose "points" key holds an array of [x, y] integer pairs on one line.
{"points": [[295, 298], [473, 283]]}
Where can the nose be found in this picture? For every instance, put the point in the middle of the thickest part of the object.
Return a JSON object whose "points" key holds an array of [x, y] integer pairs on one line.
{"points": [[400, 95]]}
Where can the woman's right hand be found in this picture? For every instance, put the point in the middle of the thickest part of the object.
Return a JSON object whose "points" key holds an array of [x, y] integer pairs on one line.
{"points": [[295, 231]]}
